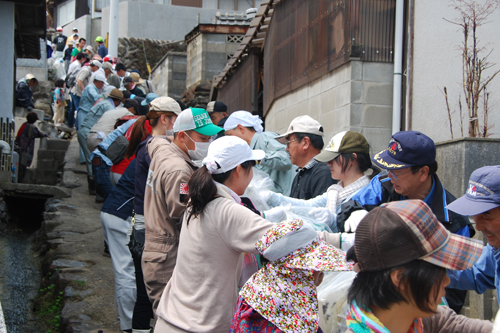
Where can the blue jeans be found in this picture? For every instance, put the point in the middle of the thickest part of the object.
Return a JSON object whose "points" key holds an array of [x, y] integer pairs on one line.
{"points": [[100, 172], [75, 103], [80, 117]]}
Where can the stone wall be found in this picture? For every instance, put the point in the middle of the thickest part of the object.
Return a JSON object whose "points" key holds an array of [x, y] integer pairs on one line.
{"points": [[356, 96], [131, 52], [169, 76]]}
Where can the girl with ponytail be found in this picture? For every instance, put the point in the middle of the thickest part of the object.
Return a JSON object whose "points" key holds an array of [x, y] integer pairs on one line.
{"points": [[216, 231]]}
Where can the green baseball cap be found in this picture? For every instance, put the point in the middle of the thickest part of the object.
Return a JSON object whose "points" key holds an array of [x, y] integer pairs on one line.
{"points": [[198, 120]]}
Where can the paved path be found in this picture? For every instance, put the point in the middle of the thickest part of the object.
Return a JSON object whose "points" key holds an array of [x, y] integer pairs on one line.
{"points": [[74, 230]]}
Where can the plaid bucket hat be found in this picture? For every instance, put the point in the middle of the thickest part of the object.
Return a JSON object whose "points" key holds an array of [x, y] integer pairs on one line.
{"points": [[399, 232]]}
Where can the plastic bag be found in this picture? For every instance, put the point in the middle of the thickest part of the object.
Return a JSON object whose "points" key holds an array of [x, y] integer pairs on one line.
{"points": [[332, 301], [60, 70], [302, 213], [260, 182]]}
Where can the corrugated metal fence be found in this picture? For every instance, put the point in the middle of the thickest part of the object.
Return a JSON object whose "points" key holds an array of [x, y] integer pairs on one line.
{"points": [[307, 39]]}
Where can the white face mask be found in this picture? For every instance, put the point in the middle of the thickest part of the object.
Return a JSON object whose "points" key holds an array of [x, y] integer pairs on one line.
{"points": [[169, 132], [200, 150]]}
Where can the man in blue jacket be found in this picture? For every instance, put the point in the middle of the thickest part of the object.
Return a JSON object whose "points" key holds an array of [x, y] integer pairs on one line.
{"points": [[409, 172], [482, 202]]}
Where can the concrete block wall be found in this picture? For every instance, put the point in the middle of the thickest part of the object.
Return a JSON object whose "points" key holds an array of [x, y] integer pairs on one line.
{"points": [[169, 76], [194, 61], [48, 160], [207, 57], [356, 96]]}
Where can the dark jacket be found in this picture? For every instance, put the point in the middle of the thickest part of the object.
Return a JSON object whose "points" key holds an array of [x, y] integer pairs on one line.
{"points": [[121, 200], [24, 95], [311, 182], [141, 174], [138, 92], [102, 51], [381, 190]]}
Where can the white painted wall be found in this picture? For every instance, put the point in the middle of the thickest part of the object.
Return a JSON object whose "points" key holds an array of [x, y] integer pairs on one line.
{"points": [[437, 63], [7, 56], [157, 21]]}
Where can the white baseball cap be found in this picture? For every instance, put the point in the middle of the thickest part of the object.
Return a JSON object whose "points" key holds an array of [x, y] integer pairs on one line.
{"points": [[227, 152], [95, 63], [302, 124], [195, 119], [100, 77], [245, 119]]}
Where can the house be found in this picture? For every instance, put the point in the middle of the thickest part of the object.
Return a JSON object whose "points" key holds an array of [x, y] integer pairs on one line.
{"points": [[330, 59], [334, 61]]}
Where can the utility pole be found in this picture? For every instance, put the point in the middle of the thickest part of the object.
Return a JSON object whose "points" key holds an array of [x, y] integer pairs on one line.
{"points": [[113, 28]]}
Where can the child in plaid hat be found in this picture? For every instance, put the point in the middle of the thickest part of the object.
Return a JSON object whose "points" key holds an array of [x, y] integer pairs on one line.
{"points": [[281, 297], [402, 253]]}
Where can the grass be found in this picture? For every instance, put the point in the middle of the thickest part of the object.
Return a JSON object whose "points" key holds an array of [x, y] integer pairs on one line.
{"points": [[48, 306]]}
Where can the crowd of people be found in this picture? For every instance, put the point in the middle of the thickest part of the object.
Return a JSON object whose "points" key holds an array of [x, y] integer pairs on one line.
{"points": [[191, 253], [180, 232]]}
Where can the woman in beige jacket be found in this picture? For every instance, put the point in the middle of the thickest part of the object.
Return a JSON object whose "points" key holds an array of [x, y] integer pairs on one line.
{"points": [[216, 231]]}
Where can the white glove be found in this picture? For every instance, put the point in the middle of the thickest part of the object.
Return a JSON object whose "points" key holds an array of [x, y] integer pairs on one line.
{"points": [[323, 215], [276, 214], [346, 241], [273, 199], [352, 222]]}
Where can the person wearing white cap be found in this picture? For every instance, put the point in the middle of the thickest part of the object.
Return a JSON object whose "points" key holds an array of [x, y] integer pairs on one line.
{"points": [[24, 95], [277, 163], [60, 41], [90, 95], [217, 229], [96, 67], [166, 190], [82, 80], [304, 140], [113, 99]]}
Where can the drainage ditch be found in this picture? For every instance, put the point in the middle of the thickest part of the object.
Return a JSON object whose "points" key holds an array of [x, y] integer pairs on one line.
{"points": [[22, 248]]}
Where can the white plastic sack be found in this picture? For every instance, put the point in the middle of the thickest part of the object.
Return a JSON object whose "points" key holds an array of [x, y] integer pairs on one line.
{"points": [[260, 182], [332, 301], [60, 70], [301, 212]]}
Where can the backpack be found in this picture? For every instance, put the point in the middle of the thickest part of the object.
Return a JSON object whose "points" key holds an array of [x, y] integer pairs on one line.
{"points": [[71, 79], [117, 149]]}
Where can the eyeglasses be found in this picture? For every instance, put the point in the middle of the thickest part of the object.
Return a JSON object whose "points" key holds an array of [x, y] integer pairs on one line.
{"points": [[394, 176], [288, 142]]}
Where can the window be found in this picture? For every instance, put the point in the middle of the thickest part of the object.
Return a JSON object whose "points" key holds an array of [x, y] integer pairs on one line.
{"points": [[66, 13]]}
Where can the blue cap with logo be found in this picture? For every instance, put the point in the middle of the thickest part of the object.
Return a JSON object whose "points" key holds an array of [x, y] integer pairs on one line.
{"points": [[406, 149], [483, 193]]}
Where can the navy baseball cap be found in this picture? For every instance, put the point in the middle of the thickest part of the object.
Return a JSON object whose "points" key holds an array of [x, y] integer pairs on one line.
{"points": [[406, 149], [483, 193]]}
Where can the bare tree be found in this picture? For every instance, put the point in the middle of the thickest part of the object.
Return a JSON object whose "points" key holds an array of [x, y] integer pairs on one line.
{"points": [[473, 15]]}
